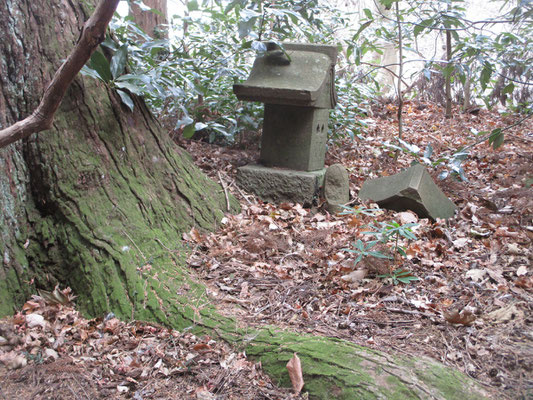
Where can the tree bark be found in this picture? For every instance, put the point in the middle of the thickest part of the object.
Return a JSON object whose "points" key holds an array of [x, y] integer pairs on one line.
{"points": [[92, 35], [94, 202], [148, 20], [99, 203], [449, 75]]}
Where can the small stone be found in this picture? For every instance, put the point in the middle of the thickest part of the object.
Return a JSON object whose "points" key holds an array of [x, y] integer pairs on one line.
{"points": [[336, 188], [51, 354]]}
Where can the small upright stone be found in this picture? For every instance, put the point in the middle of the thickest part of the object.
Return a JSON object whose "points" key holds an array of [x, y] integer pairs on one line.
{"points": [[412, 189], [336, 188]]}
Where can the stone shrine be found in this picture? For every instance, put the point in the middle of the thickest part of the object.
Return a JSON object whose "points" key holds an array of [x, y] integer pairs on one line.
{"points": [[297, 86]]}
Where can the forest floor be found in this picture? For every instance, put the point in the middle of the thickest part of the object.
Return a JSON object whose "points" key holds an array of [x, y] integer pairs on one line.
{"points": [[287, 265]]}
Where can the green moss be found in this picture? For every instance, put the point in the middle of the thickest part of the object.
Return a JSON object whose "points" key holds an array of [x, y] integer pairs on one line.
{"points": [[336, 369], [451, 383]]}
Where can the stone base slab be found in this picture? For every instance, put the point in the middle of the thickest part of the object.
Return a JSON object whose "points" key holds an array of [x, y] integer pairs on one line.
{"points": [[278, 185]]}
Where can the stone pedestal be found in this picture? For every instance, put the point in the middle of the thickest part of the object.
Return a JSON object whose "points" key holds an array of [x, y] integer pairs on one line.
{"points": [[281, 185]]}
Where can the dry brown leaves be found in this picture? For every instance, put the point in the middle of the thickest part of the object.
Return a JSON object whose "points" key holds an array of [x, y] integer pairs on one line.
{"points": [[286, 265], [48, 350]]}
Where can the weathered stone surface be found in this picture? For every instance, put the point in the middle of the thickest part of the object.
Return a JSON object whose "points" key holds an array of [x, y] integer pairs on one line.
{"points": [[294, 137], [298, 92], [336, 188], [412, 189], [306, 80], [279, 185]]}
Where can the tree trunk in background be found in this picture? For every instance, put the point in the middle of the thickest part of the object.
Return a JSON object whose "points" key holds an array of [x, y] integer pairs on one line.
{"points": [[149, 20], [449, 75], [100, 201], [389, 57], [95, 202]]}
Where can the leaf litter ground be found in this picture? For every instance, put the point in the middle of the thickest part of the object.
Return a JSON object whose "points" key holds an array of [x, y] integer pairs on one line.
{"points": [[287, 265]]}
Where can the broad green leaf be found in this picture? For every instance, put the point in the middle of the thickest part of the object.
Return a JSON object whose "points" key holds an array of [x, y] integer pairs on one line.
{"points": [[447, 71], [368, 13], [192, 5], [133, 88], [118, 62], [508, 89], [245, 27], [260, 47], [99, 63], [422, 25], [188, 132], [496, 138], [388, 3], [407, 279], [87, 71], [109, 43], [126, 99], [361, 29], [199, 126], [486, 73]]}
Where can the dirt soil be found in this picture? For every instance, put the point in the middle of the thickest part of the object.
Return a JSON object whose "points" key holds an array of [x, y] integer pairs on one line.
{"points": [[469, 308]]}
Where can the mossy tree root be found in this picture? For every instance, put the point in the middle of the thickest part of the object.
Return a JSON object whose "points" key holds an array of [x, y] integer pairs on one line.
{"points": [[337, 369]]}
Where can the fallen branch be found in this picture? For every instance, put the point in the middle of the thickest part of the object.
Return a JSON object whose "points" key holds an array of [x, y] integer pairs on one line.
{"points": [[93, 33]]}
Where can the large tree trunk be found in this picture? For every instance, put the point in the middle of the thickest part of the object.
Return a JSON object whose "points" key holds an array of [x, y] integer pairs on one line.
{"points": [[99, 203], [93, 202], [148, 20]]}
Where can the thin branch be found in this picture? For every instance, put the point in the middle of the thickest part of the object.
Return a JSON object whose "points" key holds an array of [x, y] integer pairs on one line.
{"points": [[93, 33], [487, 136], [400, 72], [385, 67], [468, 24]]}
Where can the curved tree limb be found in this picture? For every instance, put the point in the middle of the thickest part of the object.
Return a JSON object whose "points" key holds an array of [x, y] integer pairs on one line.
{"points": [[93, 33]]}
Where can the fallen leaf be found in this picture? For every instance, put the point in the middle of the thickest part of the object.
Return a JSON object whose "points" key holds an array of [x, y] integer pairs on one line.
{"points": [[513, 248], [34, 320], [522, 270], [505, 314], [201, 347], [464, 317], [203, 394], [476, 274], [458, 243], [294, 367], [524, 282], [355, 276]]}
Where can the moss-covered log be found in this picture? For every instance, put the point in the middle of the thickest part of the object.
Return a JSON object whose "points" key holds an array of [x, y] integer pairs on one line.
{"points": [[100, 202], [336, 369]]}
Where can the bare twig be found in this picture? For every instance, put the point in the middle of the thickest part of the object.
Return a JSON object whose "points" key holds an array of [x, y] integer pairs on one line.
{"points": [[92, 34], [137, 247], [228, 207]]}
